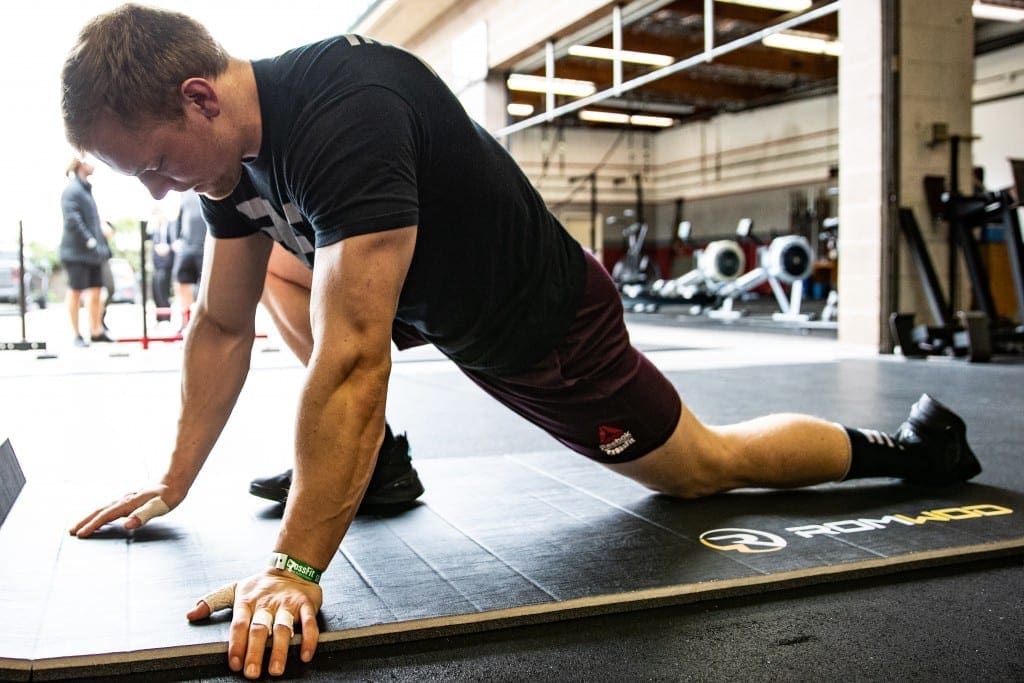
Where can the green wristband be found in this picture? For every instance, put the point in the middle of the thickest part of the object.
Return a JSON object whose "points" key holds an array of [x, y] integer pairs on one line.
{"points": [[296, 567]]}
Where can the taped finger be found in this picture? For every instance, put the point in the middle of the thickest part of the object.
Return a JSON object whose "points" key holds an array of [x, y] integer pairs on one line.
{"points": [[263, 617], [154, 507], [286, 619], [222, 598]]}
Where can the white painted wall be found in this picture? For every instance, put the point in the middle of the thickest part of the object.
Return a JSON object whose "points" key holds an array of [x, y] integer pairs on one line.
{"points": [[748, 161], [780, 146], [999, 113]]}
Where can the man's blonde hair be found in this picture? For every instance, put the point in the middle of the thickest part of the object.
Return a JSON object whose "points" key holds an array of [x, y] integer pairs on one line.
{"points": [[130, 63]]}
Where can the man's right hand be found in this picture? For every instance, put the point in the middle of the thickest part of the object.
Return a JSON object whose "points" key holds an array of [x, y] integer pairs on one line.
{"points": [[138, 507]]}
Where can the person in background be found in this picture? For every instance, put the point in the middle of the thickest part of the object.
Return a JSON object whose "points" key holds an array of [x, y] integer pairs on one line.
{"points": [[83, 251], [163, 237], [188, 256]]}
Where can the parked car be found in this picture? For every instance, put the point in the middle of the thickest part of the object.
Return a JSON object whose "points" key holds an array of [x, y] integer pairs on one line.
{"points": [[36, 278], [126, 283]]}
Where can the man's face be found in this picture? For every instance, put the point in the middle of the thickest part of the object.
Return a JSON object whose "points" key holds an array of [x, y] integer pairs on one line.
{"points": [[171, 155]]}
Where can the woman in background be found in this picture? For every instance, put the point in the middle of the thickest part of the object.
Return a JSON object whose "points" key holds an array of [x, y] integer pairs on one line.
{"points": [[83, 251]]}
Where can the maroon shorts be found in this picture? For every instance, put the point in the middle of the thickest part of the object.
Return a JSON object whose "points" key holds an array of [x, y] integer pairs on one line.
{"points": [[594, 392]]}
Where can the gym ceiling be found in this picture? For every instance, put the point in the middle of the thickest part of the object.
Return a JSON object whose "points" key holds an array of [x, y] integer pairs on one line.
{"points": [[747, 78]]}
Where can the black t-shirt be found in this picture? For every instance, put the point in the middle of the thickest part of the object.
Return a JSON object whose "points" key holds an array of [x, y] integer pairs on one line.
{"points": [[361, 137]]}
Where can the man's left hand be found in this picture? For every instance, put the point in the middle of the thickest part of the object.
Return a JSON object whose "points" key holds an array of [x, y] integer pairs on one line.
{"points": [[265, 605]]}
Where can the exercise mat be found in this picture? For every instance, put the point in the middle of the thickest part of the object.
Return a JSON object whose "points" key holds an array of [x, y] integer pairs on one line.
{"points": [[496, 541]]}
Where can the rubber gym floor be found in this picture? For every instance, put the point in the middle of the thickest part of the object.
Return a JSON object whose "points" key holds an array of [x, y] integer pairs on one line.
{"points": [[95, 422]]}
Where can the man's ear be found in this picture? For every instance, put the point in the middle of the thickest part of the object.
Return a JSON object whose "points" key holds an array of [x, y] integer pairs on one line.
{"points": [[200, 93]]}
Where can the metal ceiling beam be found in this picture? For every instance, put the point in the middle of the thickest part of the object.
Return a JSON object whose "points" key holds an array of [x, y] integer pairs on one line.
{"points": [[629, 13], [705, 56]]}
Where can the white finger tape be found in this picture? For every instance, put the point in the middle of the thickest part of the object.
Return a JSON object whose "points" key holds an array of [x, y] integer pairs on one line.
{"points": [[263, 617], [286, 619], [222, 598], [154, 507]]}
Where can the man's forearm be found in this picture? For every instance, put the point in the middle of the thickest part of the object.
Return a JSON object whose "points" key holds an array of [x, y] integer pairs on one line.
{"points": [[215, 368], [339, 431]]}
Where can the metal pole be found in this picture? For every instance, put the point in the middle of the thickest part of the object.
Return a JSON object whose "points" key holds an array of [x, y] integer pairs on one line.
{"points": [[709, 27], [593, 213], [142, 271], [639, 198], [549, 74], [21, 278], [617, 47], [953, 222]]}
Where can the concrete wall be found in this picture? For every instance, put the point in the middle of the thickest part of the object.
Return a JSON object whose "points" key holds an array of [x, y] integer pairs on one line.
{"points": [[862, 158], [936, 77]]}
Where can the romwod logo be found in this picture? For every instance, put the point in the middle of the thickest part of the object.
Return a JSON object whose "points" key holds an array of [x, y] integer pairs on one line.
{"points": [[742, 540], [753, 541]]}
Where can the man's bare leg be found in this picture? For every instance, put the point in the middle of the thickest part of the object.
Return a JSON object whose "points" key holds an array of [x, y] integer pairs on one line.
{"points": [[777, 451], [792, 450]]}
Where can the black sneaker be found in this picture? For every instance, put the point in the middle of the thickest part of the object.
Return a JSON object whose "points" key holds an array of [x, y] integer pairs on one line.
{"points": [[102, 337], [394, 481], [939, 437]]}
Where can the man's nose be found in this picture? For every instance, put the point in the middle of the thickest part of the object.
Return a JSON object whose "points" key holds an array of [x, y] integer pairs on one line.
{"points": [[157, 185]]}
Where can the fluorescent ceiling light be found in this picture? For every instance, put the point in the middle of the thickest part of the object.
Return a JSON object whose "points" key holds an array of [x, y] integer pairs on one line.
{"points": [[781, 5], [519, 109], [625, 55], [647, 120], [983, 10], [598, 116], [803, 41], [603, 116], [559, 86]]}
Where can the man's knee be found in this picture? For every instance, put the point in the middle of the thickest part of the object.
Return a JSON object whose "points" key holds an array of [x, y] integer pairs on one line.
{"points": [[687, 486], [690, 465]]}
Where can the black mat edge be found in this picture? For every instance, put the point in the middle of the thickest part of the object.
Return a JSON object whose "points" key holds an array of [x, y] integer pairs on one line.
{"points": [[194, 656]]}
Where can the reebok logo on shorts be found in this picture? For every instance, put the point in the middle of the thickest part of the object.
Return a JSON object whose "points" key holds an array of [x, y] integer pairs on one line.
{"points": [[613, 441]]}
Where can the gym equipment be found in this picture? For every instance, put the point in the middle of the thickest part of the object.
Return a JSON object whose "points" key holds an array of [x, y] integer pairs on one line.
{"points": [[635, 267], [23, 344], [967, 335], [721, 261], [787, 260], [979, 334]]}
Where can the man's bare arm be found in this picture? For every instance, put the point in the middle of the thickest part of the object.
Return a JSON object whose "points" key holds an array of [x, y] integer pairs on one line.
{"points": [[217, 354], [340, 424], [218, 350]]}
